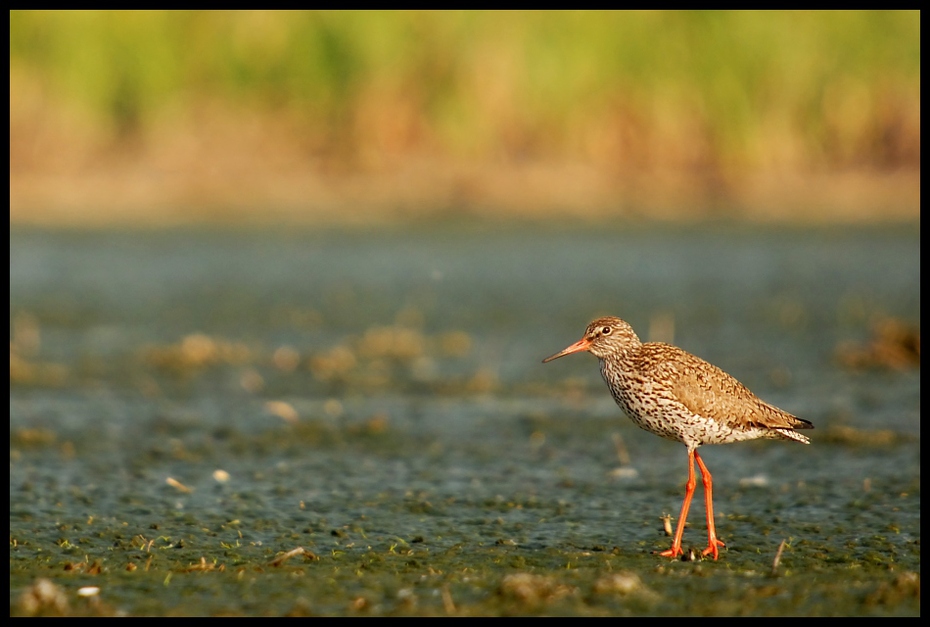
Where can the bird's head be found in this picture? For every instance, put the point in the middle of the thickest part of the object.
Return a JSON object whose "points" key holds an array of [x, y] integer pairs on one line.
{"points": [[605, 337]]}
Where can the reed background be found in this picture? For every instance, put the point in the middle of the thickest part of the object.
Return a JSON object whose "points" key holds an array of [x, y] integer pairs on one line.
{"points": [[160, 118]]}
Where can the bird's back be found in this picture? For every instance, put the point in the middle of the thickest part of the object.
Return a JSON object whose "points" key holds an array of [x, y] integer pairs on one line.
{"points": [[669, 388]]}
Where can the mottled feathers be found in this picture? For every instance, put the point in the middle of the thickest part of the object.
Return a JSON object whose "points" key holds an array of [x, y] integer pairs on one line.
{"points": [[675, 394]]}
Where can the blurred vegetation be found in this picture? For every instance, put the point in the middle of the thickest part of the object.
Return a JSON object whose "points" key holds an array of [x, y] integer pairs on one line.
{"points": [[698, 91]]}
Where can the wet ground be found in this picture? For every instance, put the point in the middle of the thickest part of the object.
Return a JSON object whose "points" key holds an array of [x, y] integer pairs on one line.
{"points": [[321, 423]]}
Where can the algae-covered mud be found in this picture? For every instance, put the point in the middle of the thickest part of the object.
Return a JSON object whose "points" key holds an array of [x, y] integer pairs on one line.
{"points": [[325, 423]]}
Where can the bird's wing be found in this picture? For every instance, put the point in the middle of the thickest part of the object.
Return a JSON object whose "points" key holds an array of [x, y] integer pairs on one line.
{"points": [[708, 391]]}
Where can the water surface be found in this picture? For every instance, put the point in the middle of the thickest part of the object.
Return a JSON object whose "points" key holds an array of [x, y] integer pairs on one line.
{"points": [[377, 398]]}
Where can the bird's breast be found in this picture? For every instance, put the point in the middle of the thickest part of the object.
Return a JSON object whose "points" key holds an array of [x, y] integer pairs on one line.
{"points": [[654, 407]]}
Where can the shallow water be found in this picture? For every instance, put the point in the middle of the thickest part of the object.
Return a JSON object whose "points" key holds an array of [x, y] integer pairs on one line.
{"points": [[377, 398]]}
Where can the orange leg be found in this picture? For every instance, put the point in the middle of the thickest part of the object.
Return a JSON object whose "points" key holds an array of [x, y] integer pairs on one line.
{"points": [[712, 542], [675, 551]]}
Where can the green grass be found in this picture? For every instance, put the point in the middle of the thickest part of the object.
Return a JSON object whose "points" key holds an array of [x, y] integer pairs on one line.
{"points": [[828, 84]]}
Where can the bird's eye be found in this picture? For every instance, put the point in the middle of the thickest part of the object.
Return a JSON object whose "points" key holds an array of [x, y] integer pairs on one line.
{"points": [[606, 331]]}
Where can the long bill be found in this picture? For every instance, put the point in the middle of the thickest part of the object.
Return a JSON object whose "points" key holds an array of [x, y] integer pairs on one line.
{"points": [[581, 345]]}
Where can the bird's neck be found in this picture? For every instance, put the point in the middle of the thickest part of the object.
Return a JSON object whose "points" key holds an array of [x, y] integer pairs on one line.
{"points": [[617, 361], [624, 352]]}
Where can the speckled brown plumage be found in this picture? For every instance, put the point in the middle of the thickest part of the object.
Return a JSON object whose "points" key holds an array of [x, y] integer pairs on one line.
{"points": [[676, 395]]}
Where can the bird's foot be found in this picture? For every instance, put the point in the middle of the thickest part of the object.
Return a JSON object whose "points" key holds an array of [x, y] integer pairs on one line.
{"points": [[712, 547], [673, 552]]}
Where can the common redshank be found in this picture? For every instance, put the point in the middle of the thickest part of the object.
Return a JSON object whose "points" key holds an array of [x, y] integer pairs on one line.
{"points": [[676, 395]]}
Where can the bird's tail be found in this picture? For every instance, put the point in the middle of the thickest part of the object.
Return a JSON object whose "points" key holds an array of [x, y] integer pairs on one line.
{"points": [[788, 434]]}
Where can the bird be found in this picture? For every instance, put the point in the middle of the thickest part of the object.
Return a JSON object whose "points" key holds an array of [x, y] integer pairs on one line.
{"points": [[679, 396]]}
